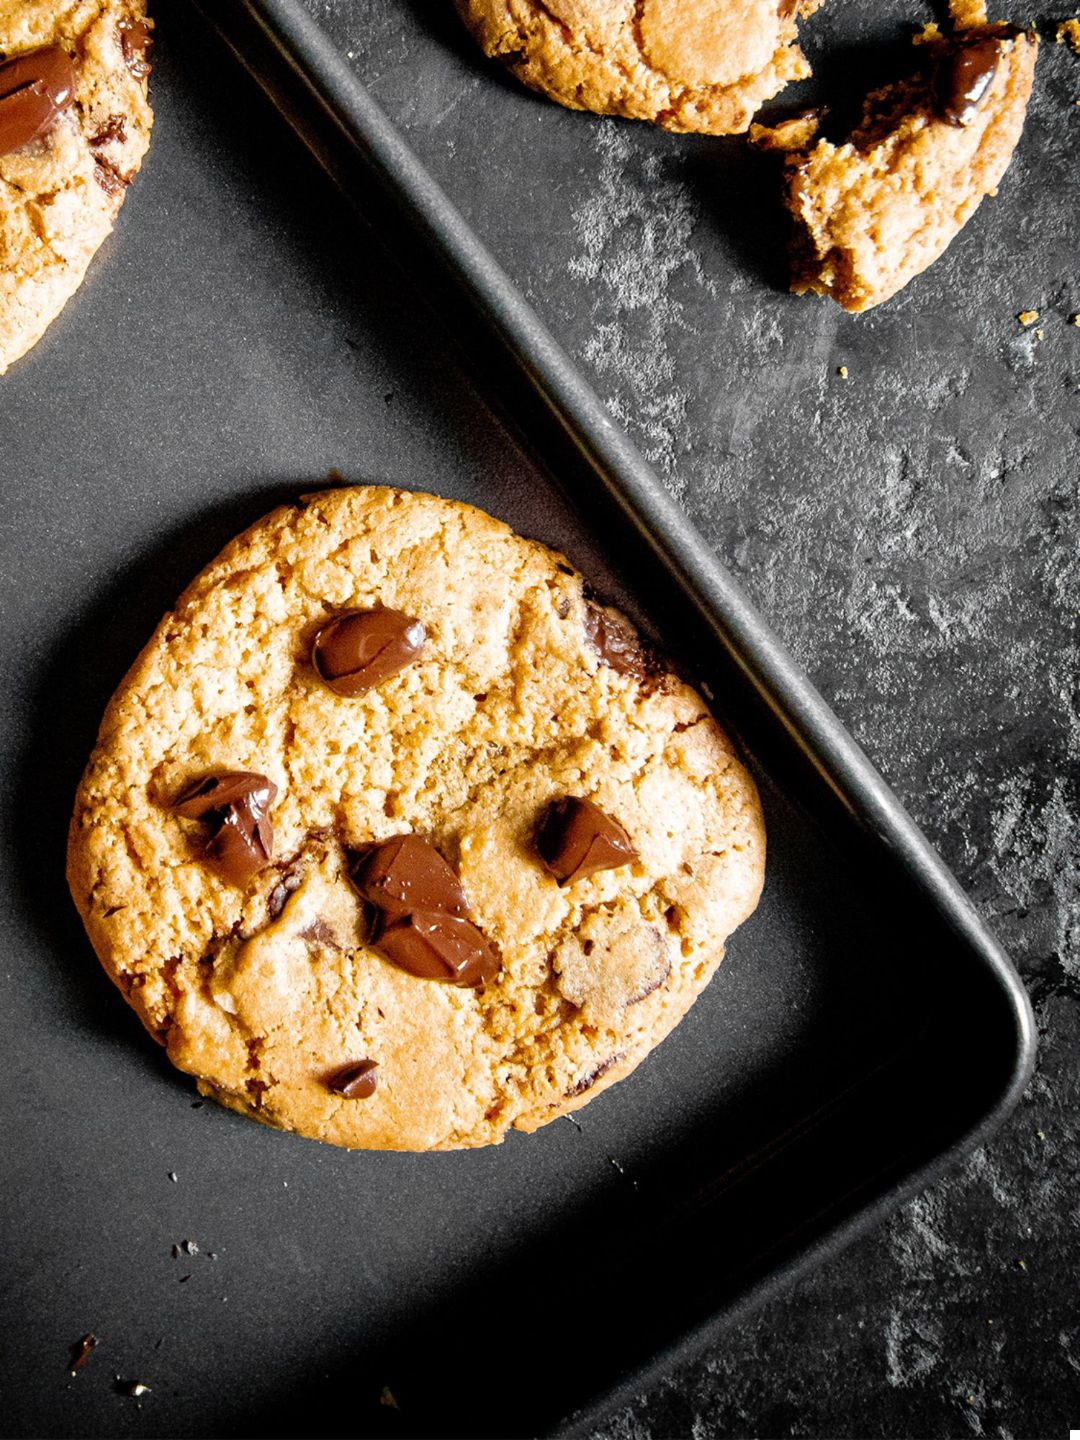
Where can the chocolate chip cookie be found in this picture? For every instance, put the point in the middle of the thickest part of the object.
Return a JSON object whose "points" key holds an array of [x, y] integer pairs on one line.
{"points": [[871, 214], [74, 127], [395, 837], [699, 65]]}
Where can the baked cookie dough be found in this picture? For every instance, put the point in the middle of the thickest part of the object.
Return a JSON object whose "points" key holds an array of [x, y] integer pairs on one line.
{"points": [[873, 213], [701, 65], [74, 127], [394, 837]]}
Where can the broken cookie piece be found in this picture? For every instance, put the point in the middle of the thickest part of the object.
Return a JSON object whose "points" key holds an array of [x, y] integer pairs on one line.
{"points": [[874, 212], [689, 65]]}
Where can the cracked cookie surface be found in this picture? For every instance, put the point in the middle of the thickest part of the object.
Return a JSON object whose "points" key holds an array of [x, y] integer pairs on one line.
{"points": [[873, 213], [688, 65], [266, 991], [61, 192]]}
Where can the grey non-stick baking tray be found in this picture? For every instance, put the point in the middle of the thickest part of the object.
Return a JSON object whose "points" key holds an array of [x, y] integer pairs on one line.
{"points": [[242, 335]]}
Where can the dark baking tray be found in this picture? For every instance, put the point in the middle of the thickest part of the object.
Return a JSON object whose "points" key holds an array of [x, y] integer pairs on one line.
{"points": [[241, 336]]}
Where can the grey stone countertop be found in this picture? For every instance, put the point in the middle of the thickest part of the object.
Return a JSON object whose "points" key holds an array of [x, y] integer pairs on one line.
{"points": [[911, 531]]}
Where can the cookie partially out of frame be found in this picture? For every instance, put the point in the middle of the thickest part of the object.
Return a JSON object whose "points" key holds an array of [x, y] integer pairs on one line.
{"points": [[395, 838], [691, 65], [874, 212], [74, 127]]}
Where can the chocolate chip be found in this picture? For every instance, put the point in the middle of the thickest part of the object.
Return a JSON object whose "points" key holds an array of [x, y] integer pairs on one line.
{"points": [[136, 37], [35, 89], [615, 642], [407, 873], [234, 804], [575, 839], [432, 946], [361, 648], [355, 1082], [964, 76]]}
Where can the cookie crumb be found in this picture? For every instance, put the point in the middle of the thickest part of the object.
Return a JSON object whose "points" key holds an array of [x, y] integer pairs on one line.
{"points": [[189, 1247], [1040, 334], [133, 1389], [1068, 33], [917, 138], [388, 1399], [967, 14], [1028, 317], [1075, 320], [80, 1351], [842, 372], [173, 1176]]}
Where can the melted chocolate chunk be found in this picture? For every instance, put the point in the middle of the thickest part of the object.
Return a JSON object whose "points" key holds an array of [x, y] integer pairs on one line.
{"points": [[35, 90], [356, 1082], [418, 915], [432, 946], [235, 805], [575, 838], [407, 873], [204, 798], [615, 642], [362, 648], [242, 846], [964, 76], [136, 37]]}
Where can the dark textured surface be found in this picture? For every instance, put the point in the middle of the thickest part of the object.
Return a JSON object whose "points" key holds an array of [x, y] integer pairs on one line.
{"points": [[912, 533]]}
